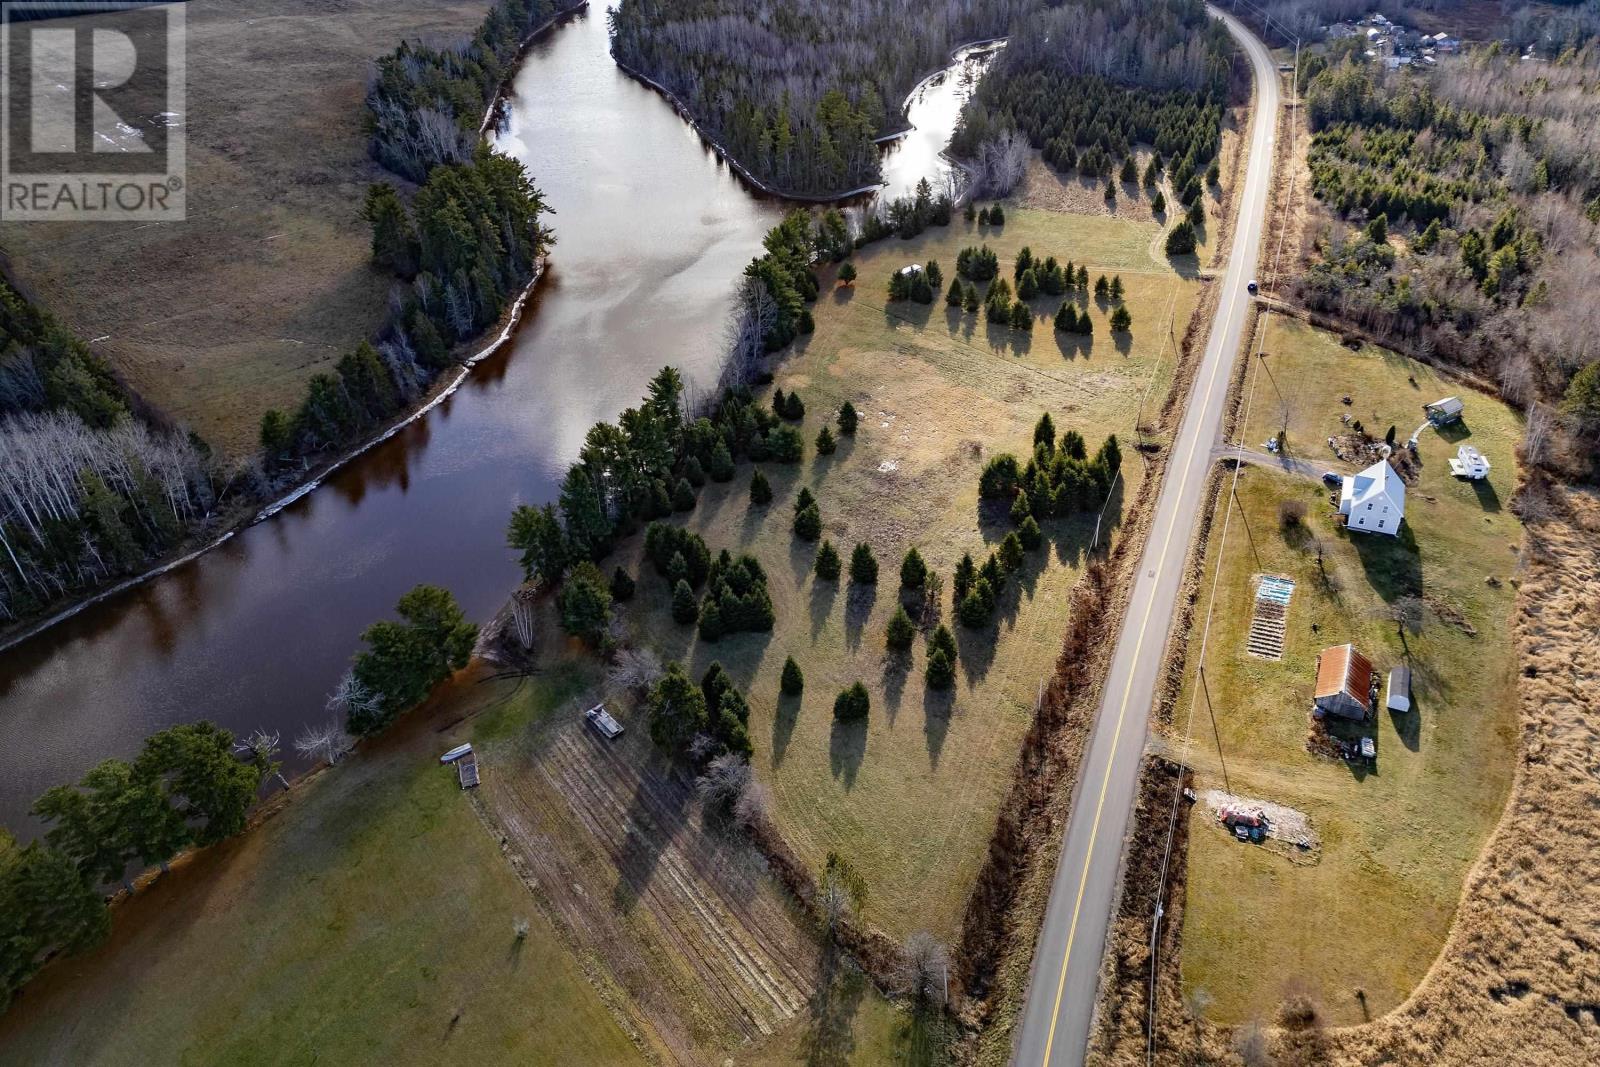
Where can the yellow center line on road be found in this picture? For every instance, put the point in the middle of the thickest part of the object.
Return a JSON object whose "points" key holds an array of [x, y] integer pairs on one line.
{"points": [[1122, 712]]}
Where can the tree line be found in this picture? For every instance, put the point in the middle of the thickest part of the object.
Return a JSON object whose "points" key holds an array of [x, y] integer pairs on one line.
{"points": [[468, 241], [190, 786], [463, 249], [1093, 78], [797, 92], [425, 104]]}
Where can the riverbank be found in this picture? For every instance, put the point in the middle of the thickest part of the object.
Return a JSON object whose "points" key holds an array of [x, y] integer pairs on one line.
{"points": [[244, 515]]}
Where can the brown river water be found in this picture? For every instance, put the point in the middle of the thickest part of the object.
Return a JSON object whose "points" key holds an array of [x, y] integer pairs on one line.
{"points": [[652, 232]]}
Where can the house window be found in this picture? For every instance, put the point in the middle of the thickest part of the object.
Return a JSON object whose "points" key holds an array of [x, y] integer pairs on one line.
{"points": [[1361, 522], [1369, 505]]}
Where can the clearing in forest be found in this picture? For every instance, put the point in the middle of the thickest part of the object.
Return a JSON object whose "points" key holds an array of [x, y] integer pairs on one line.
{"points": [[1357, 928]]}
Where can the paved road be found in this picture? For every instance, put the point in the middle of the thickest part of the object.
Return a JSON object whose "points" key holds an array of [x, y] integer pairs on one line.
{"points": [[1055, 1021]]}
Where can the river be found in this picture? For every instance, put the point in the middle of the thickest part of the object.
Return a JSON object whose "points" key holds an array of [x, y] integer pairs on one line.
{"points": [[652, 231]]}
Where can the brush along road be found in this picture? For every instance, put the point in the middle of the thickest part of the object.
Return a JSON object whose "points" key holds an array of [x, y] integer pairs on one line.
{"points": [[1066, 965]]}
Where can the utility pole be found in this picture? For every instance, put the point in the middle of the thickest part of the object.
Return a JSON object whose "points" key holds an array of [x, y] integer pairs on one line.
{"points": [[1216, 733]]}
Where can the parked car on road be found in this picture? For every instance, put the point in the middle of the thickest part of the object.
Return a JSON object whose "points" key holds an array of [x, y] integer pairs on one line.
{"points": [[1253, 287]]}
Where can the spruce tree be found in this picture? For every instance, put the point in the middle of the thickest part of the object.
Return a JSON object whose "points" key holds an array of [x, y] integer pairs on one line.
{"points": [[684, 608], [1021, 317], [939, 674], [803, 500], [863, 565], [683, 496], [1117, 289], [721, 463], [825, 442], [1121, 321], [793, 682], [1031, 535], [827, 565], [913, 571], [852, 704], [808, 524], [954, 295], [760, 489], [847, 418], [969, 299], [847, 273], [1044, 432], [1067, 318], [901, 631]]}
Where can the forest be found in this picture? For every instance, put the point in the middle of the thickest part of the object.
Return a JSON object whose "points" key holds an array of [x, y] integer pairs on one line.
{"points": [[87, 491], [425, 104], [797, 92], [1092, 79], [1490, 168]]}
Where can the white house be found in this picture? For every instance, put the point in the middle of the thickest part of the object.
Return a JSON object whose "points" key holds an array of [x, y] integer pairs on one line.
{"points": [[1373, 501], [1469, 463]]}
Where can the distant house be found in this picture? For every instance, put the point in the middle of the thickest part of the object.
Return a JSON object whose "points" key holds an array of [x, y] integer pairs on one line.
{"points": [[1399, 696], [1444, 412], [1373, 501], [1469, 463], [1445, 43], [1344, 683]]}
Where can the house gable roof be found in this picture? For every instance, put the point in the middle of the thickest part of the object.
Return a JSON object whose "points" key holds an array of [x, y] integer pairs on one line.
{"points": [[1378, 482]]}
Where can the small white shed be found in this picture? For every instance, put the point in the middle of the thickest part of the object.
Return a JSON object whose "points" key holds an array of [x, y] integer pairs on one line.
{"points": [[1399, 696]]}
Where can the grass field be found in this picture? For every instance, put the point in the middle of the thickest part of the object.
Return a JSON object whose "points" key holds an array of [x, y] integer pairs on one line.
{"points": [[911, 796], [369, 921], [1370, 911], [221, 316]]}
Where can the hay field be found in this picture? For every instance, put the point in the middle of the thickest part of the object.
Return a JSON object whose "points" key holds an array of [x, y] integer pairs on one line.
{"points": [[911, 796], [1356, 924], [217, 318]]}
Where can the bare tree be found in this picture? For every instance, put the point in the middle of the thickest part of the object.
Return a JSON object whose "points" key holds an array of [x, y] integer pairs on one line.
{"points": [[522, 605], [1406, 612], [723, 782], [751, 317], [634, 669], [924, 969], [352, 696], [327, 742], [753, 805], [1000, 164], [262, 748], [1536, 436]]}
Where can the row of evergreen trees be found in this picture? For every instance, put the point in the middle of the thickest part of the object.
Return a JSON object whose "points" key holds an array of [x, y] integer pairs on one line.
{"points": [[465, 246], [43, 367], [684, 717], [187, 787]]}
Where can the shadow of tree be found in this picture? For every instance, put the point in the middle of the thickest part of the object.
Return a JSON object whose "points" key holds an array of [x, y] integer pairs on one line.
{"points": [[847, 746], [896, 669], [937, 708], [975, 650], [785, 715], [657, 811], [857, 609], [830, 1016], [822, 597]]}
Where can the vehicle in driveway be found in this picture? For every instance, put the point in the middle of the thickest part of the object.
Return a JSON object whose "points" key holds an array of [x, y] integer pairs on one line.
{"points": [[1332, 478]]}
